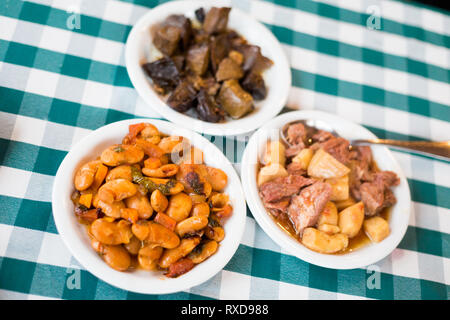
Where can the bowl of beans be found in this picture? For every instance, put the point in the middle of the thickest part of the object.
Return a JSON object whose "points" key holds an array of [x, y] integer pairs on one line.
{"points": [[148, 206]]}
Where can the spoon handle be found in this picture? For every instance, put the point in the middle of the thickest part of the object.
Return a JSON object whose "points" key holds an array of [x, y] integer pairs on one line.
{"points": [[435, 149]]}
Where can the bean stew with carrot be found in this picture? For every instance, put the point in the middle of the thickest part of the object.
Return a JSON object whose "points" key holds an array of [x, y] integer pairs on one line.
{"points": [[150, 202]]}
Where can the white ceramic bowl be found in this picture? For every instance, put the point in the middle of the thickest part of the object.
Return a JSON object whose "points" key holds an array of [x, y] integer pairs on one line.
{"points": [[75, 236], [362, 257], [139, 49]]}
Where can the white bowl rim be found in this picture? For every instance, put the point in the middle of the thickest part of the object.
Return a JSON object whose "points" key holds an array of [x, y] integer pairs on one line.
{"points": [[362, 257], [74, 235], [273, 103]]}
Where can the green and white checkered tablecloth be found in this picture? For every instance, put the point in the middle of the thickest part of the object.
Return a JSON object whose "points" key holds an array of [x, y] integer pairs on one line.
{"points": [[62, 75]]}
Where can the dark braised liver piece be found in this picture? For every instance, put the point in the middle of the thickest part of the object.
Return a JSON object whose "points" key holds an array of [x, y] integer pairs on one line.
{"points": [[163, 72], [207, 108], [183, 97], [254, 84]]}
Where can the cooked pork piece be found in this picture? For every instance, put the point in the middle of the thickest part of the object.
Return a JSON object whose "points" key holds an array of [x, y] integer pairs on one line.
{"points": [[296, 168], [336, 146], [282, 187], [376, 195], [278, 206], [321, 136], [296, 133], [294, 150], [253, 59], [305, 208]]}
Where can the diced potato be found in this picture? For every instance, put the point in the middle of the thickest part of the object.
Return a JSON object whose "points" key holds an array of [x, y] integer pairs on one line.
{"points": [[329, 228], [351, 219], [329, 215], [341, 205], [304, 157], [339, 188], [271, 172], [322, 242], [274, 153], [324, 165], [376, 228]]}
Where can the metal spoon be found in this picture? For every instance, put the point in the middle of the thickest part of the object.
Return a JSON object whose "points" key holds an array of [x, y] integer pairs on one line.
{"points": [[435, 149]]}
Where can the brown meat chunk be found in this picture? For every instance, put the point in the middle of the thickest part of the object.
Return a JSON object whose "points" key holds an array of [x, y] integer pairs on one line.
{"points": [[210, 85], [296, 168], [388, 178], [234, 100], [207, 108], [372, 195], [183, 97], [362, 160], [198, 58], [163, 72], [166, 39], [220, 47], [336, 146], [216, 20], [278, 206], [305, 209], [184, 26], [228, 69], [296, 134], [273, 191], [321, 136], [253, 59], [254, 84], [376, 195]]}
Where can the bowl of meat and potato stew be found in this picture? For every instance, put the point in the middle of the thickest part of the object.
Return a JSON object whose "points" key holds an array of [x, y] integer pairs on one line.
{"points": [[213, 67], [148, 206], [321, 199]]}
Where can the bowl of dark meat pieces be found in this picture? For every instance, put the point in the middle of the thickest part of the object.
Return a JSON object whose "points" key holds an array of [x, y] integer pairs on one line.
{"points": [[199, 65]]}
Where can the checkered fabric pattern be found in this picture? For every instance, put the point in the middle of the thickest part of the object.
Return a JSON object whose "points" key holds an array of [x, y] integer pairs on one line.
{"points": [[62, 75]]}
